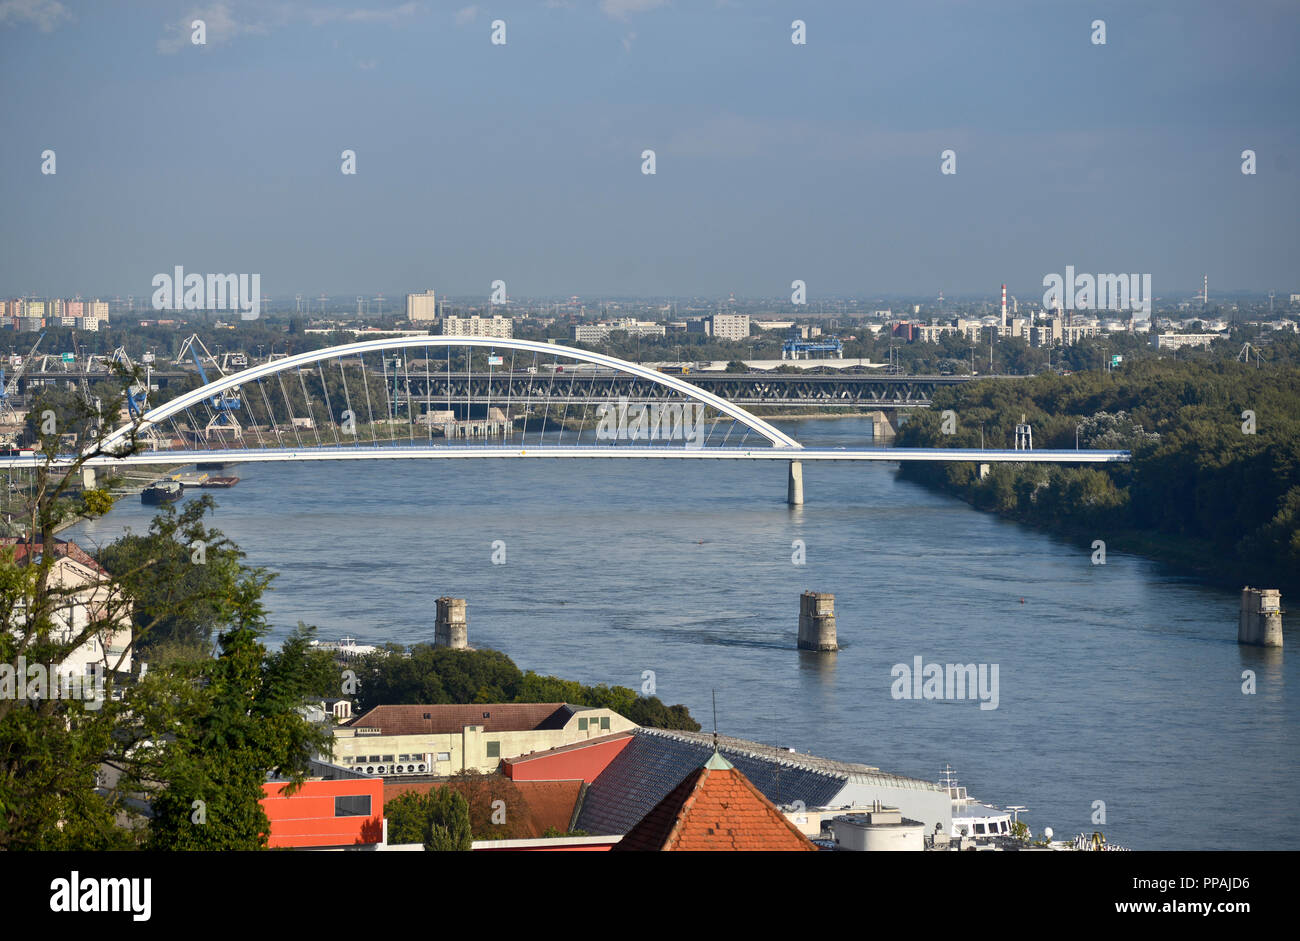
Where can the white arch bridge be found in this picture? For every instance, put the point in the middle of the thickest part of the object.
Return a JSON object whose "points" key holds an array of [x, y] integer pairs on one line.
{"points": [[392, 399]]}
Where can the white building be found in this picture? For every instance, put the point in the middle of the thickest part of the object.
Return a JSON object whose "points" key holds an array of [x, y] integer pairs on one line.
{"points": [[422, 306], [1175, 341], [599, 332], [496, 326], [87, 600]]}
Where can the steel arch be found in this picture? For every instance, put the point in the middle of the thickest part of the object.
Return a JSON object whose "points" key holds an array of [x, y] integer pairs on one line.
{"points": [[778, 438]]}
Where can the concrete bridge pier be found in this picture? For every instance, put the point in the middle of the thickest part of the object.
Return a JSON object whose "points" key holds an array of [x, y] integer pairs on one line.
{"points": [[817, 622], [1261, 617], [794, 485]]}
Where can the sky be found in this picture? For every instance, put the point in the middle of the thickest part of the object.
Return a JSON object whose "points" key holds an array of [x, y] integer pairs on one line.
{"points": [[522, 161]]}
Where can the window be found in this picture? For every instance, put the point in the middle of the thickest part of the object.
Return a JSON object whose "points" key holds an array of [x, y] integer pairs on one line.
{"points": [[494, 749], [444, 756], [582, 725], [352, 805], [388, 758], [979, 828], [604, 722]]}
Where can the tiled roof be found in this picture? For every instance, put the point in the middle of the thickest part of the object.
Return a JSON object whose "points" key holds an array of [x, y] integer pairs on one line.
{"points": [[62, 547], [715, 808], [655, 762], [443, 719]]}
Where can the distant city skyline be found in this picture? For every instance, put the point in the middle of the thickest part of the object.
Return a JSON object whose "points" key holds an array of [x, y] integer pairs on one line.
{"points": [[774, 161]]}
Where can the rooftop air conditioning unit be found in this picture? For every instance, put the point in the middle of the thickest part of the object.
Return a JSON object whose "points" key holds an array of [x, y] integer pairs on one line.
{"points": [[381, 769], [370, 769]]}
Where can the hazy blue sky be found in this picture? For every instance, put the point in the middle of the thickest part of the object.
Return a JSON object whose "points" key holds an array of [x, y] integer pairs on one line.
{"points": [[523, 162]]}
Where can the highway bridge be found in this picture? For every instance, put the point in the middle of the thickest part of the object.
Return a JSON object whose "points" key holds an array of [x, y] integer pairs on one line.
{"points": [[382, 400]]}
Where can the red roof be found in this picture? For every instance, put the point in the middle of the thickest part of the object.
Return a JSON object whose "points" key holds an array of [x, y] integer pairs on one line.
{"points": [[715, 808], [444, 719], [62, 547]]}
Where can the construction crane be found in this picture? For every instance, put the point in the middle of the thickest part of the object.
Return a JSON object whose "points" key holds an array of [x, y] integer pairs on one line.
{"points": [[10, 388], [137, 394], [223, 404], [92, 401]]}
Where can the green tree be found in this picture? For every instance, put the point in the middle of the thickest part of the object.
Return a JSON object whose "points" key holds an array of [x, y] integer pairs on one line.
{"points": [[449, 822]]}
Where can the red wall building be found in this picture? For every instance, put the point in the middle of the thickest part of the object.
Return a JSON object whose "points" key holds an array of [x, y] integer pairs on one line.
{"points": [[581, 761], [322, 813]]}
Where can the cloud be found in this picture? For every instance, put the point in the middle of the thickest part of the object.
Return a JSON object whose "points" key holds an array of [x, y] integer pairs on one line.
{"points": [[224, 24], [466, 15], [220, 26], [45, 15], [367, 65], [621, 9], [627, 42], [364, 15]]}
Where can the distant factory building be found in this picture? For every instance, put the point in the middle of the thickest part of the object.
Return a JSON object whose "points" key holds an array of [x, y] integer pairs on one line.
{"points": [[422, 306], [496, 326]]}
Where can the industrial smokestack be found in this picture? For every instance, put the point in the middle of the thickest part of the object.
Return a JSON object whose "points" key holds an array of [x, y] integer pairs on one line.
{"points": [[1004, 308]]}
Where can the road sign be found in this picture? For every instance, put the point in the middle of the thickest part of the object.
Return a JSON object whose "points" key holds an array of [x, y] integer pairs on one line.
{"points": [[1116, 360], [69, 357]]}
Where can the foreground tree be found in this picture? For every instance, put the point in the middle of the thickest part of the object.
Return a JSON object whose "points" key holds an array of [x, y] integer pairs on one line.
{"points": [[195, 737]]}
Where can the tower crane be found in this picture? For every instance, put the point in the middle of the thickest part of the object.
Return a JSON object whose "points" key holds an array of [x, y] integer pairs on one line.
{"points": [[10, 388], [223, 404]]}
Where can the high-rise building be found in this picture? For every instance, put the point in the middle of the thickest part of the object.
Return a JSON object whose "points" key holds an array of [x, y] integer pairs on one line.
{"points": [[501, 328], [98, 310], [729, 326], [422, 306]]}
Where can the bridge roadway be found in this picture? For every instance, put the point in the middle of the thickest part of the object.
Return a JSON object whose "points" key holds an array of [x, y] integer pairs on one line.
{"points": [[606, 452], [585, 385]]}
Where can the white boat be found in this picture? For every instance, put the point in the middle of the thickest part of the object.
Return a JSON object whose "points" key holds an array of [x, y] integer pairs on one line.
{"points": [[970, 817], [347, 647]]}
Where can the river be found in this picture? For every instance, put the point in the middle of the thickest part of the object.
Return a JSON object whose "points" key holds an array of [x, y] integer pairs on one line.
{"points": [[1119, 682]]}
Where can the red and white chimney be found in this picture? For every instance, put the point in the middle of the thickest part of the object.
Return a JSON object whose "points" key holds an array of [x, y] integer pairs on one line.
{"points": [[1004, 307]]}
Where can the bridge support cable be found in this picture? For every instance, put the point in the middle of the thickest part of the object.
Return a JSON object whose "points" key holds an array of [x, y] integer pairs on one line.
{"points": [[347, 400], [271, 426], [329, 406], [370, 412], [288, 409], [406, 375], [311, 413]]}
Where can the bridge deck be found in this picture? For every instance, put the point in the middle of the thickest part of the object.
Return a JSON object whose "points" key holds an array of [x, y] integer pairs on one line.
{"points": [[607, 452]]}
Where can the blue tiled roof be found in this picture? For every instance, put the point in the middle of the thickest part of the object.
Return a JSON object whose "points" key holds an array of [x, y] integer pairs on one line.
{"points": [[651, 765]]}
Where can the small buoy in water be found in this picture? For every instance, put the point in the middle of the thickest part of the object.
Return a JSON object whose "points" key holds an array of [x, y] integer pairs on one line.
{"points": [[1022, 600]]}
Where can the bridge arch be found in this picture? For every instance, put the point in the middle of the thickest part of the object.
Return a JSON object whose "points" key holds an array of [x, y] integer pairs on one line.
{"points": [[775, 436]]}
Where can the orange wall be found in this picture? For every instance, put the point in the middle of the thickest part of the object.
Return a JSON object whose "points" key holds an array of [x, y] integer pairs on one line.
{"points": [[306, 817]]}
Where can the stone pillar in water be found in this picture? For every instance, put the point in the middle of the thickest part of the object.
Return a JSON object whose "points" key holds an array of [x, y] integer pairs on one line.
{"points": [[452, 626], [817, 621], [1261, 617]]}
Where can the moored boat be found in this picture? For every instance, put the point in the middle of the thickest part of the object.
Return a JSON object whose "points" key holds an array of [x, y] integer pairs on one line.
{"points": [[162, 491]]}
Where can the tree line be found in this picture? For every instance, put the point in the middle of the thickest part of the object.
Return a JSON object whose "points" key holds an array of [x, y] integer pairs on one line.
{"points": [[1214, 481]]}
